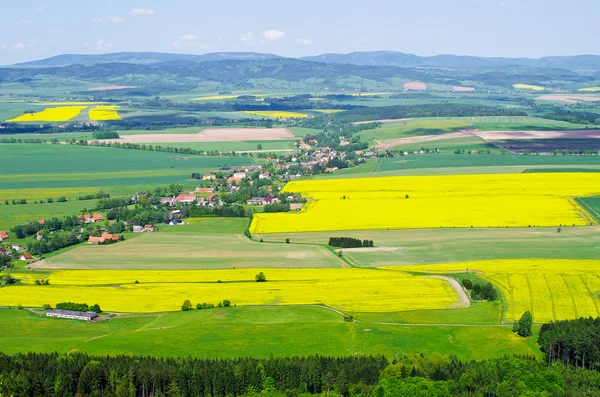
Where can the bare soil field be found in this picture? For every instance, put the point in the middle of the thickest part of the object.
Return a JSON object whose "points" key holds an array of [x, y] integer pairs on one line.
{"points": [[508, 135], [391, 143], [569, 98], [547, 145], [113, 87], [458, 88], [379, 121], [212, 135], [415, 86]]}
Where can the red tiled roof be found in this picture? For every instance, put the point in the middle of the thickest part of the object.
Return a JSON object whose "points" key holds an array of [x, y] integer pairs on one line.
{"points": [[186, 197], [97, 217]]}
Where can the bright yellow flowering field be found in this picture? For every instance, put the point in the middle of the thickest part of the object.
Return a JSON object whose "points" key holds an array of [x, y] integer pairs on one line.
{"points": [[329, 111], [278, 114], [64, 113], [590, 89], [499, 200], [549, 289], [356, 290], [104, 113], [528, 87]]}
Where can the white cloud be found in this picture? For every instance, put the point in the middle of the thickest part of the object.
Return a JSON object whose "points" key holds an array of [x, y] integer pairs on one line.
{"points": [[142, 12], [304, 41], [110, 19], [502, 4], [19, 46], [102, 44], [24, 22], [39, 9], [3, 46], [273, 35], [247, 37], [189, 40]]}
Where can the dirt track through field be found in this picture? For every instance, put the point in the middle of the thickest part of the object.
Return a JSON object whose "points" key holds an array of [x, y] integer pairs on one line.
{"points": [[211, 135], [464, 299]]}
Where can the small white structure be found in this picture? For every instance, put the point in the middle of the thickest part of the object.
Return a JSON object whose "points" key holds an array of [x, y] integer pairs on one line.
{"points": [[73, 315]]}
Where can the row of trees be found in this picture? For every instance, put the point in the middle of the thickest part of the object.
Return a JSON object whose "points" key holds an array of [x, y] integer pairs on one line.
{"points": [[349, 242], [187, 305], [481, 291], [413, 375], [79, 307]]}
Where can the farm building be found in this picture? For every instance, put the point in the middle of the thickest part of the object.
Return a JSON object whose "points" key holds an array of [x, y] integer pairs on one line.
{"points": [[26, 257], [17, 247], [204, 190], [88, 218], [73, 315], [3, 235], [186, 198], [209, 177], [138, 229], [172, 201], [105, 238], [149, 228]]}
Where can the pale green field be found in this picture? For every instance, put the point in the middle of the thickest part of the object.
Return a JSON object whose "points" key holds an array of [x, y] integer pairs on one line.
{"points": [[255, 332], [198, 248], [424, 246]]}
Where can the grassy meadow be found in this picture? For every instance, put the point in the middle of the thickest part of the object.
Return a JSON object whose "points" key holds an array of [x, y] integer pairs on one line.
{"points": [[280, 331]]}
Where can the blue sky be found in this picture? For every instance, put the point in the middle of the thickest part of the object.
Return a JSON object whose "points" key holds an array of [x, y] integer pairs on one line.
{"points": [[34, 29]]}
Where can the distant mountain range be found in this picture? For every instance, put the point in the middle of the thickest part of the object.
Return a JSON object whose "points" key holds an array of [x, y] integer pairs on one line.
{"points": [[583, 64]]}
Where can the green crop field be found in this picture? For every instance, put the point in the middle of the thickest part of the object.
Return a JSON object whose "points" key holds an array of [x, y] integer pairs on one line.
{"points": [[11, 215], [450, 145], [424, 246], [280, 331]]}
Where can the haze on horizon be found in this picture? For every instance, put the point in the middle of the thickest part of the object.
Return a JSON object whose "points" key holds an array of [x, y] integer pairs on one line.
{"points": [[36, 29]]}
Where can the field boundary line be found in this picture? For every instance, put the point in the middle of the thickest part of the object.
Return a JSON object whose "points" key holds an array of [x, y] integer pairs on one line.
{"points": [[591, 295], [530, 296], [512, 299], [551, 296], [590, 211], [577, 204], [466, 302], [562, 276]]}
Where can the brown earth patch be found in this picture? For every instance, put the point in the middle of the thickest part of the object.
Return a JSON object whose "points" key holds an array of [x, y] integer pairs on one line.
{"points": [[569, 98], [113, 87], [391, 143], [211, 135], [508, 135], [379, 121], [220, 314], [458, 88], [414, 86]]}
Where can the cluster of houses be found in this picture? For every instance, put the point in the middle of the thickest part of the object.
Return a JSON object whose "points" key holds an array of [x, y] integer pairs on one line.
{"points": [[105, 238], [16, 249], [188, 198], [72, 315], [91, 218]]}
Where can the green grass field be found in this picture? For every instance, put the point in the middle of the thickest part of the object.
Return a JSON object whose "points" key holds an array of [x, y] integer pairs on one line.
{"points": [[450, 145], [256, 332], [424, 246], [204, 245], [11, 215]]}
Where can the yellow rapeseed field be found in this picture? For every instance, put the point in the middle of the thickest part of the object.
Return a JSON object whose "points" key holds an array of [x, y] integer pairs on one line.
{"points": [[590, 89], [355, 290], [329, 111], [104, 113], [528, 87], [59, 114], [278, 114], [500, 200], [549, 289]]}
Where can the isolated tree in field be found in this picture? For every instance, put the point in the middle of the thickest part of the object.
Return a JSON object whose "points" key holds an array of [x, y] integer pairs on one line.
{"points": [[187, 305], [259, 147], [523, 326], [261, 277]]}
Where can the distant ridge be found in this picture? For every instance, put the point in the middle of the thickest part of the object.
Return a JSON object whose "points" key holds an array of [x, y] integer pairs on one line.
{"points": [[583, 64], [141, 58], [578, 63]]}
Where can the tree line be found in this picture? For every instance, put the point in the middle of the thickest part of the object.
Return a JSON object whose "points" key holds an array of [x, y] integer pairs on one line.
{"points": [[349, 242], [78, 307], [79, 374], [572, 342]]}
